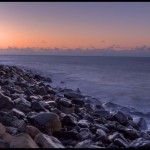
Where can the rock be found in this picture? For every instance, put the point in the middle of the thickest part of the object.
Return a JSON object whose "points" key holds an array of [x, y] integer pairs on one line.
{"points": [[67, 110], [12, 130], [89, 118], [72, 134], [37, 106], [19, 114], [101, 113], [90, 107], [100, 120], [69, 120], [120, 117], [71, 95], [47, 121], [32, 131], [115, 135], [85, 133], [3, 144], [101, 134], [46, 141], [140, 143], [83, 123], [101, 126], [69, 143], [41, 91], [20, 124], [23, 141], [141, 123], [128, 133], [121, 143], [87, 144], [2, 130], [65, 103], [5, 102], [7, 137], [22, 105], [79, 102], [144, 135]]}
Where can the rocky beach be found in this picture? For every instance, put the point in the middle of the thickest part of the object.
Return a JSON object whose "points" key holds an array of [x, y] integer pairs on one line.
{"points": [[33, 114]]}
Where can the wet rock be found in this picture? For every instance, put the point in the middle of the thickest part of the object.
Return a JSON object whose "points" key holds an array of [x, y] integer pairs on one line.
{"points": [[79, 102], [2, 129], [23, 141], [72, 134], [32, 131], [128, 133], [141, 122], [7, 137], [69, 143], [101, 126], [41, 91], [69, 120], [12, 130], [121, 143], [115, 135], [3, 144], [120, 117], [87, 144], [67, 110], [37, 106], [140, 143], [144, 135], [22, 105], [85, 133], [71, 95], [20, 124], [83, 123], [101, 113], [89, 118], [45, 141], [100, 120], [19, 114], [47, 121], [5, 102], [101, 134]]}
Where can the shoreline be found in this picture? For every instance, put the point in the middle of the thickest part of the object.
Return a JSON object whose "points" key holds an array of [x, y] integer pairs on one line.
{"points": [[35, 115]]}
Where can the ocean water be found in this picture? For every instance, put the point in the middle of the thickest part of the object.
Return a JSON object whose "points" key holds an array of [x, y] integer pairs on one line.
{"points": [[122, 80]]}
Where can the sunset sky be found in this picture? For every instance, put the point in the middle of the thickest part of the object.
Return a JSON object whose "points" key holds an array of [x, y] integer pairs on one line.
{"points": [[74, 24]]}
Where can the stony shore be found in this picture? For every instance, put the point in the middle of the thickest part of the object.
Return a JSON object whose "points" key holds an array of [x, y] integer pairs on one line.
{"points": [[35, 115]]}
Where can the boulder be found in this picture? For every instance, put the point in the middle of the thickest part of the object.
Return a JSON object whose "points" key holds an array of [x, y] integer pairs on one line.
{"points": [[71, 95], [120, 117], [5, 102], [46, 141], [86, 144], [141, 122], [47, 121], [140, 143], [2, 130], [19, 114], [23, 140], [78, 101], [7, 137], [37, 106], [32, 131], [83, 123], [69, 120], [85, 133], [121, 143], [3, 144]]}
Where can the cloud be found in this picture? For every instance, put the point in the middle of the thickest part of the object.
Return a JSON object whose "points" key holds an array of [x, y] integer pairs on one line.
{"points": [[143, 51]]}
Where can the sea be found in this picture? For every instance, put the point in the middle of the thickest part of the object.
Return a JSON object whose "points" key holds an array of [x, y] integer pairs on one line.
{"points": [[121, 80]]}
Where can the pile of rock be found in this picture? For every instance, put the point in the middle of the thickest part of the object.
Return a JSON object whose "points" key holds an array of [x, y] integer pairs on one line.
{"points": [[35, 115]]}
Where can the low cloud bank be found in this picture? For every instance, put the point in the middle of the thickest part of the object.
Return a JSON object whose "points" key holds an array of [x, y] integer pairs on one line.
{"points": [[143, 51]]}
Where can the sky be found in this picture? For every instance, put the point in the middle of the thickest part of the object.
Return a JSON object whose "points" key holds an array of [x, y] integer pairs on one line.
{"points": [[74, 27]]}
